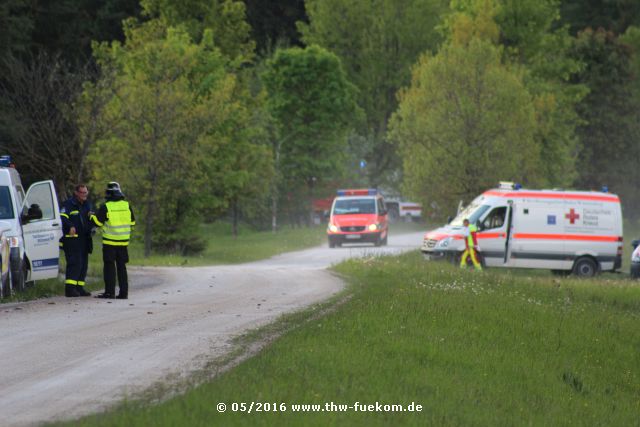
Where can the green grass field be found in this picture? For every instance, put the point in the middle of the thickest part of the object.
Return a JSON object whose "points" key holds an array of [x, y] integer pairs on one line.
{"points": [[488, 348]]}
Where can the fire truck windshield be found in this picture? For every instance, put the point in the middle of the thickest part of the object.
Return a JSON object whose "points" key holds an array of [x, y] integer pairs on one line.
{"points": [[353, 206]]}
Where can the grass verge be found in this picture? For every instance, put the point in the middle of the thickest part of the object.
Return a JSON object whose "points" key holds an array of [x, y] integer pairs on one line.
{"points": [[471, 348], [222, 248]]}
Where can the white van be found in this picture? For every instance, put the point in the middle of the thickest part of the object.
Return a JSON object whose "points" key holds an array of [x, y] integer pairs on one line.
{"points": [[563, 231], [32, 226]]}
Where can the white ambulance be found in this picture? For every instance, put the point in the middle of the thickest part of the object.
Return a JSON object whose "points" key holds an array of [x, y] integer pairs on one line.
{"points": [[31, 225], [563, 231]]}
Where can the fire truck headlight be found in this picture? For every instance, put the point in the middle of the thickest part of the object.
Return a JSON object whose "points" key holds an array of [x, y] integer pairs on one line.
{"points": [[373, 227], [333, 228]]}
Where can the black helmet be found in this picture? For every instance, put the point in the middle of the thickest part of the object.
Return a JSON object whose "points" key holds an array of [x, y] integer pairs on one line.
{"points": [[113, 190]]}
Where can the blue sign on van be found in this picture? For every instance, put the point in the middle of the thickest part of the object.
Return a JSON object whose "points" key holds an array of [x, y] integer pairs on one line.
{"points": [[551, 220]]}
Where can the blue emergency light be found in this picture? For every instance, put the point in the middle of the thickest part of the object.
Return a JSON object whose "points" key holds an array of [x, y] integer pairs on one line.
{"points": [[5, 161], [358, 192]]}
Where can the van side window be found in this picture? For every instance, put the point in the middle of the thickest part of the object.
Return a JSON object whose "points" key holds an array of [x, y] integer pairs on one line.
{"points": [[381, 207], [495, 219], [6, 207], [40, 194]]}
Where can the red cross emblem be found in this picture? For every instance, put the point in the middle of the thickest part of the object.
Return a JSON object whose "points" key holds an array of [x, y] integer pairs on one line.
{"points": [[572, 216]]}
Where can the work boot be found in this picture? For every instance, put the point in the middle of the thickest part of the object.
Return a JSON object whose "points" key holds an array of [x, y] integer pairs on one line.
{"points": [[122, 296], [107, 296], [70, 291], [81, 291]]}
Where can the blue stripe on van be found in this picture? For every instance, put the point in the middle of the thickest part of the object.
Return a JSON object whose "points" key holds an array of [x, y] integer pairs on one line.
{"points": [[44, 264]]}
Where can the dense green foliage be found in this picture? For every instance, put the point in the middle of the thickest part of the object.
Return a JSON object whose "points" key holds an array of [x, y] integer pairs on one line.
{"points": [[172, 105], [469, 115], [611, 111], [573, 122], [473, 349], [377, 42], [312, 104]]}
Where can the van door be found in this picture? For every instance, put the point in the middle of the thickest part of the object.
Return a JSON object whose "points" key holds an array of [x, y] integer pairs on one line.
{"points": [[493, 236], [508, 246], [42, 236]]}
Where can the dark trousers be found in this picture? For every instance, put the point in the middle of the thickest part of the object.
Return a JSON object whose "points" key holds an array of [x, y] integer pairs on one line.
{"points": [[76, 252], [115, 261]]}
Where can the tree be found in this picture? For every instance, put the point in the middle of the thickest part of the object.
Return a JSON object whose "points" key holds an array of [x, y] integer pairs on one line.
{"points": [[630, 195], [39, 121], [465, 123], [377, 41], [610, 112], [312, 104], [16, 27], [45, 49], [274, 22], [177, 129], [225, 19], [533, 41], [62, 27], [611, 15]]}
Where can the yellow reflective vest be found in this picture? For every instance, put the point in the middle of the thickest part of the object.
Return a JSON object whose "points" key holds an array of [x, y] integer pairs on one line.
{"points": [[472, 230], [116, 230]]}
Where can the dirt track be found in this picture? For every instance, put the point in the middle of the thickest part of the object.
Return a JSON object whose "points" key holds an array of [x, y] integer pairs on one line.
{"points": [[62, 358]]}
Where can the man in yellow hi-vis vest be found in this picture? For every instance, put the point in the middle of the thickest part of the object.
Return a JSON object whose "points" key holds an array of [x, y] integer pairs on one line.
{"points": [[471, 243], [115, 218]]}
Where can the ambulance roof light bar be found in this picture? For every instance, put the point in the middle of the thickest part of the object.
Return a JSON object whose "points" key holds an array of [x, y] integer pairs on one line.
{"points": [[358, 192], [508, 185]]}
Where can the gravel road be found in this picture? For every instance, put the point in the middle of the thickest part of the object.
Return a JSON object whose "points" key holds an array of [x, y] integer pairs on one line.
{"points": [[63, 358]]}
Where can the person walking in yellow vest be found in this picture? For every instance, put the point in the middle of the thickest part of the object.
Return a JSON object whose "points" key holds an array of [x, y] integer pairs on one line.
{"points": [[471, 243], [115, 218]]}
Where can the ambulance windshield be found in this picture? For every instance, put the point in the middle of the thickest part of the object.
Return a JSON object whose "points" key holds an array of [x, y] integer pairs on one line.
{"points": [[473, 212], [354, 206]]}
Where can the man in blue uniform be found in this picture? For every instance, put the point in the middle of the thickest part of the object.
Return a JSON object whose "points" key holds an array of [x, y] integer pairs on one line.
{"points": [[76, 240]]}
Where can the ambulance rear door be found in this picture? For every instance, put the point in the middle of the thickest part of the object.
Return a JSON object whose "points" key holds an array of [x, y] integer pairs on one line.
{"points": [[41, 236], [592, 228], [537, 239]]}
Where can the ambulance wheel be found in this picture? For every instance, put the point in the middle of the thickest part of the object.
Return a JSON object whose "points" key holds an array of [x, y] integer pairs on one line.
{"points": [[385, 240], [585, 267], [378, 241]]}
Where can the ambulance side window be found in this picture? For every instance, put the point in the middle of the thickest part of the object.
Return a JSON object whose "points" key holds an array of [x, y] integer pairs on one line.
{"points": [[495, 219]]}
